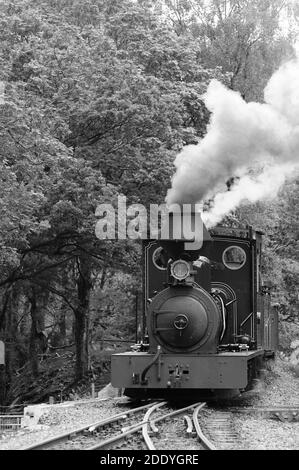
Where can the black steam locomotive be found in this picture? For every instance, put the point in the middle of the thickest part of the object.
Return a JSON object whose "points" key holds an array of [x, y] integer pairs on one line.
{"points": [[207, 321]]}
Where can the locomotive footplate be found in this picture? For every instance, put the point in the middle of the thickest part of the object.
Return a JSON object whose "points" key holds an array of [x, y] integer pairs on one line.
{"points": [[225, 370]]}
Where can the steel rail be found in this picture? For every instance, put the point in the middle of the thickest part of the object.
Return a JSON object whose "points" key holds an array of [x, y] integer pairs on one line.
{"points": [[122, 436], [245, 409], [143, 425], [283, 413], [206, 442], [91, 426], [145, 434], [146, 437]]}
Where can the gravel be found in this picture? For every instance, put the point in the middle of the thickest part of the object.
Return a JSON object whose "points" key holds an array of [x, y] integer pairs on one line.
{"points": [[262, 434], [62, 419], [280, 387], [172, 435]]}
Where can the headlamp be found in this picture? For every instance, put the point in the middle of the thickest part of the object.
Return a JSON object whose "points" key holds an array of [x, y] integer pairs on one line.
{"points": [[180, 269]]}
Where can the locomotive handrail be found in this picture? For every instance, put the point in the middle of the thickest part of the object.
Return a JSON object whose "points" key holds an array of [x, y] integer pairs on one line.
{"points": [[231, 302], [246, 319]]}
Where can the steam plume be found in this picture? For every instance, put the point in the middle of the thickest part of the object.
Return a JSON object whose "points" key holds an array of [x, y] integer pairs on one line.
{"points": [[242, 136]]}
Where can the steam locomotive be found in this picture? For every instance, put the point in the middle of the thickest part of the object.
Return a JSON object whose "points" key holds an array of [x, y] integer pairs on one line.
{"points": [[207, 321]]}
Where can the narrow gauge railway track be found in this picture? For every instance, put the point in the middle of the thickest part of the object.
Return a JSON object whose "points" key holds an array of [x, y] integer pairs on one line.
{"points": [[150, 425], [149, 428], [120, 439], [137, 428], [92, 433]]}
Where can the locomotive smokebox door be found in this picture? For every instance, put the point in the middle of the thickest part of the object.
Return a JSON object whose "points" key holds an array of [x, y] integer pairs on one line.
{"points": [[2, 355]]}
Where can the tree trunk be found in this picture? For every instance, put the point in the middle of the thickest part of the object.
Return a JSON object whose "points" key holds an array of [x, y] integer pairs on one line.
{"points": [[8, 330], [62, 325], [81, 316], [63, 313], [33, 346], [2, 384]]}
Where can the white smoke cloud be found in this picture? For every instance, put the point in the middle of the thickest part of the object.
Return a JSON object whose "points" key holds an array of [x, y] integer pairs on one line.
{"points": [[248, 188], [242, 136]]}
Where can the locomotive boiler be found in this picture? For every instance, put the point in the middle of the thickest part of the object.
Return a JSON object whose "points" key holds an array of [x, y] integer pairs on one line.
{"points": [[207, 321]]}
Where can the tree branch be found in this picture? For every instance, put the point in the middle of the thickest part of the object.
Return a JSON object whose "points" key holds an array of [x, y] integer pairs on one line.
{"points": [[56, 292]]}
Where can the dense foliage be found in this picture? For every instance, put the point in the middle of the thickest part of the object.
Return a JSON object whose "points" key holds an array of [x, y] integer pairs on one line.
{"points": [[96, 100]]}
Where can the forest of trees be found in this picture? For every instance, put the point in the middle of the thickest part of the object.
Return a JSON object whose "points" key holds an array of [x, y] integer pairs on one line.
{"points": [[96, 99]]}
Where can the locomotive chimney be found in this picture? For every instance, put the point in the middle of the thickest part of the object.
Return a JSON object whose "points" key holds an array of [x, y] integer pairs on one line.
{"points": [[185, 224]]}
